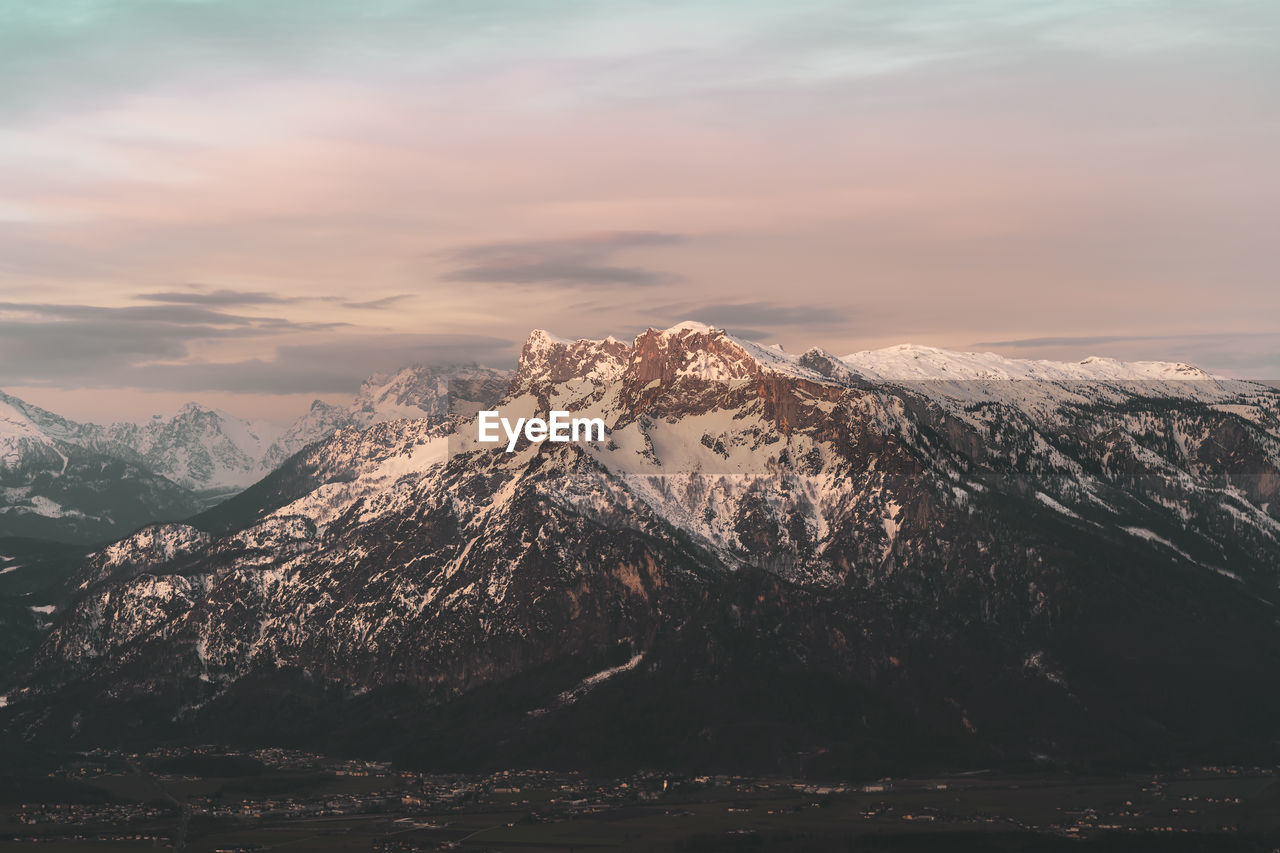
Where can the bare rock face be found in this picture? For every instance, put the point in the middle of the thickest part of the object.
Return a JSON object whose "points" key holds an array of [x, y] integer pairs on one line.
{"points": [[548, 360], [771, 557], [151, 547]]}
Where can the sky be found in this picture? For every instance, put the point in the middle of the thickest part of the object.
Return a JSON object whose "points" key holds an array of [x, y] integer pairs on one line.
{"points": [[257, 204]]}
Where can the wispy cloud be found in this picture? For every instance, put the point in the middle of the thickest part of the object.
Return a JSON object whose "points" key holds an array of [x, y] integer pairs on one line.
{"points": [[760, 314], [161, 315], [376, 304], [334, 366], [1093, 340], [1243, 354], [82, 344], [221, 297], [153, 347], [584, 260], [228, 298]]}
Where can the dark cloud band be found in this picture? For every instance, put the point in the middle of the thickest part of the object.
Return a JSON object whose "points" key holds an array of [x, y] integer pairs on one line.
{"points": [[570, 261]]}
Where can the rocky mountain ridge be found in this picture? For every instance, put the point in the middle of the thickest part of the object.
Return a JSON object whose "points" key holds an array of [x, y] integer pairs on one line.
{"points": [[415, 391], [183, 462], [58, 480], [976, 568]]}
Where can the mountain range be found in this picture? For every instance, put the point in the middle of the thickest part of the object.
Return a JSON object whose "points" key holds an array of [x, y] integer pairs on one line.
{"points": [[809, 563], [63, 480], [71, 481]]}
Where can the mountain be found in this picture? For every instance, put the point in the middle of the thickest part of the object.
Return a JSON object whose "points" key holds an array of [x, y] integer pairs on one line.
{"points": [[198, 448], [911, 362], [800, 563], [61, 481], [202, 449], [32, 573], [416, 391], [71, 481], [321, 420]]}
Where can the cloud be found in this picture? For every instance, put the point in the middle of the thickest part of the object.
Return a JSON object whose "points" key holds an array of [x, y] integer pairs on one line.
{"points": [[337, 366], [223, 297], [767, 315], [69, 344], [1090, 340], [73, 53], [227, 298], [149, 348], [1241, 354], [160, 315], [377, 304], [1070, 340], [569, 261]]}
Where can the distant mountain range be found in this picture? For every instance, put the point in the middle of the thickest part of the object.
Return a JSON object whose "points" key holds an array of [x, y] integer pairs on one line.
{"points": [[418, 391], [65, 480], [804, 563]]}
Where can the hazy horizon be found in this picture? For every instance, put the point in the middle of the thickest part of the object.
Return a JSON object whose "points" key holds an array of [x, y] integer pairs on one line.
{"points": [[104, 405]]}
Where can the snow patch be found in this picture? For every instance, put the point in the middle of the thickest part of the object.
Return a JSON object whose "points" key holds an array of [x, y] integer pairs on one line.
{"points": [[1054, 505], [688, 326], [1152, 536], [588, 684]]}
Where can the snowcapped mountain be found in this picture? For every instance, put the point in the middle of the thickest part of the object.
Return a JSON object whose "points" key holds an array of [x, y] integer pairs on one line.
{"points": [[412, 392], [417, 391], [173, 465], [22, 441], [199, 448], [202, 449], [775, 560], [321, 419], [910, 361], [62, 480]]}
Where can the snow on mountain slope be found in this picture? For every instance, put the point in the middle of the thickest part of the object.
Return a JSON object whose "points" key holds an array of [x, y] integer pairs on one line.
{"points": [[910, 361], [968, 384], [155, 544], [200, 448], [321, 419], [416, 391], [857, 524], [694, 429], [21, 441], [411, 392], [548, 358], [372, 468], [68, 481], [47, 423]]}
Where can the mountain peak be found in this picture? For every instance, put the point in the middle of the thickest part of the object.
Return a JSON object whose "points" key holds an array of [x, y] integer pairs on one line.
{"points": [[549, 358], [689, 326], [415, 391], [542, 338], [689, 349]]}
